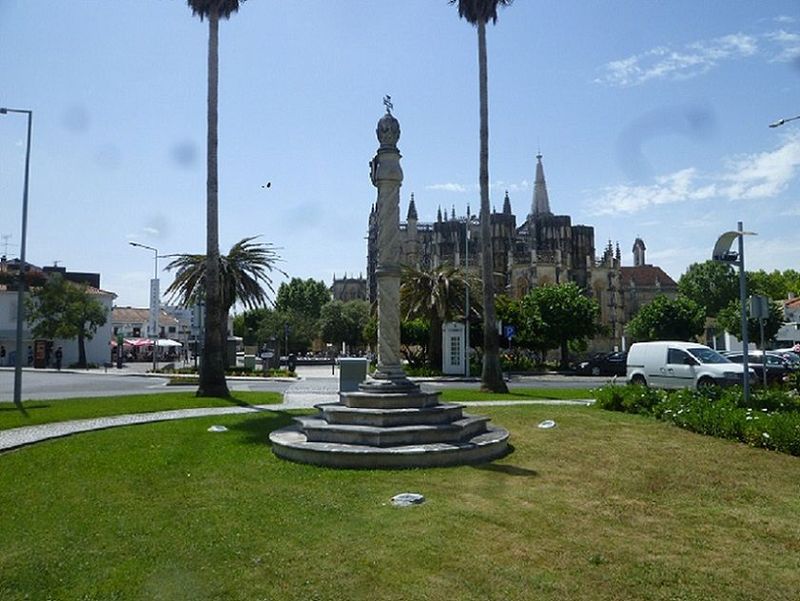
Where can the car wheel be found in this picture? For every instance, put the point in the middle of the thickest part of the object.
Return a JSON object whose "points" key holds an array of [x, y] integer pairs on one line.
{"points": [[638, 380], [705, 383], [595, 371]]}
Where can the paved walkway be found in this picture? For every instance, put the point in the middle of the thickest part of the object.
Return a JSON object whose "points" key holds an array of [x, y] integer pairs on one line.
{"points": [[303, 394]]}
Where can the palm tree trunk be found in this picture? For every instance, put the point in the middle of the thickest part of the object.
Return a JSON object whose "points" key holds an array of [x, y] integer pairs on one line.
{"points": [[491, 375], [435, 344], [212, 373]]}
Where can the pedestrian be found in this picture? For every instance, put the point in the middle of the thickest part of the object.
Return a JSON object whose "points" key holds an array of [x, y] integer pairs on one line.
{"points": [[2, 355], [59, 357], [30, 356]]}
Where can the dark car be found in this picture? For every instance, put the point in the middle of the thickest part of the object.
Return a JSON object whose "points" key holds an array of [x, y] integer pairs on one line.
{"points": [[777, 366], [605, 364]]}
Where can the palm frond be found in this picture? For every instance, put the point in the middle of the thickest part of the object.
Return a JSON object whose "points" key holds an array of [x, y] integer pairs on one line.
{"points": [[243, 274], [203, 8], [476, 11]]}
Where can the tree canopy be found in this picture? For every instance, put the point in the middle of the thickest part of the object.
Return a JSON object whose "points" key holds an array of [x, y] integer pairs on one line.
{"points": [[244, 273], [63, 309], [436, 295], [344, 322], [711, 284], [668, 319], [730, 318], [566, 315], [305, 297]]}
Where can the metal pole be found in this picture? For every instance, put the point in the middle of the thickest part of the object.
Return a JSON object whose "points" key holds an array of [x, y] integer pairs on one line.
{"points": [[743, 301], [466, 299], [21, 286], [158, 313], [763, 351]]}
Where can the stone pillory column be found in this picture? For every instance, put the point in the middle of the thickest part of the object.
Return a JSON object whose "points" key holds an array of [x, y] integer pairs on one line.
{"points": [[389, 422], [387, 176]]}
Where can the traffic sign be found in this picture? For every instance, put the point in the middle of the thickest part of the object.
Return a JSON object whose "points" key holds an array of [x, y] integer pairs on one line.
{"points": [[509, 331]]}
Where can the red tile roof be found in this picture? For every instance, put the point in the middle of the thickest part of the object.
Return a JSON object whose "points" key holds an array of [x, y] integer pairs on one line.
{"points": [[646, 275]]}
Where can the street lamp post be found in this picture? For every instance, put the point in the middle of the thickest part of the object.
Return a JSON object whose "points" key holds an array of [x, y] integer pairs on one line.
{"points": [[466, 296], [780, 122], [155, 301], [21, 285], [723, 253]]}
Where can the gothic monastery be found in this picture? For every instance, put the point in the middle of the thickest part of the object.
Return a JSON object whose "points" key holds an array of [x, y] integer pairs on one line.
{"points": [[543, 249]]}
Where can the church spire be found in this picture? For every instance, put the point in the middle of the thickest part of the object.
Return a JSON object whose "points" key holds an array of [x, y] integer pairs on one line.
{"points": [[506, 205], [439, 214], [412, 210], [541, 203]]}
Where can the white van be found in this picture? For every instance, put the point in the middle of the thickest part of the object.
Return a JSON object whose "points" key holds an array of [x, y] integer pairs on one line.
{"points": [[674, 364]]}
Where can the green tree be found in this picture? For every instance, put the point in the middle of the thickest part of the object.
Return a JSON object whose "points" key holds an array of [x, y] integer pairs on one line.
{"points": [[668, 319], [414, 340], [247, 323], [775, 285], [344, 322], [244, 273], [566, 315], [63, 309], [436, 295], [526, 320], [479, 13], [304, 297], [212, 374], [730, 318], [711, 284]]}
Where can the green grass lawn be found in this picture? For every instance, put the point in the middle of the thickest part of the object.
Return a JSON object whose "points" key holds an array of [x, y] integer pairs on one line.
{"points": [[45, 412], [455, 395], [606, 506]]}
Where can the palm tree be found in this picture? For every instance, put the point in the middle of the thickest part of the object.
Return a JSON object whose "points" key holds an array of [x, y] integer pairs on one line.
{"points": [[478, 13], [212, 374], [436, 295], [242, 272]]}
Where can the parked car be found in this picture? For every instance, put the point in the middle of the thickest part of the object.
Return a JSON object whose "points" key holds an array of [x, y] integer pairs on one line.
{"points": [[676, 364], [604, 364], [777, 366]]}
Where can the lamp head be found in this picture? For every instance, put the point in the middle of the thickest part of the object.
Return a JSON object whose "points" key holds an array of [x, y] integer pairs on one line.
{"points": [[3, 111], [778, 123]]}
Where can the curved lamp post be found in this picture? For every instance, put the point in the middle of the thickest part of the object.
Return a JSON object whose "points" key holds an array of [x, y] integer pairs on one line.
{"points": [[155, 301], [21, 287], [780, 122], [723, 253]]}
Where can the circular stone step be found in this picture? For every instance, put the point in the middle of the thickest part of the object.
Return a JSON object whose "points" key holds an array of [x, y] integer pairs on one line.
{"points": [[291, 443]]}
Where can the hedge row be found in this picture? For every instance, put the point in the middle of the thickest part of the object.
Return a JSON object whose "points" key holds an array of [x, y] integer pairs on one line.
{"points": [[771, 418]]}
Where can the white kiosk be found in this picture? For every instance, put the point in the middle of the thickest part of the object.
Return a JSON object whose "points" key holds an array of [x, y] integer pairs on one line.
{"points": [[453, 349]]}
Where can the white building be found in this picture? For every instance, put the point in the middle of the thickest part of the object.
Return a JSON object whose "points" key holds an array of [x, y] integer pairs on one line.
{"points": [[97, 349]]}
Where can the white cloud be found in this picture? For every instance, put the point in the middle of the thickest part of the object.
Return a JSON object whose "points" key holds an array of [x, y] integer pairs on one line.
{"points": [[788, 45], [666, 63], [448, 187], [762, 175], [756, 176]]}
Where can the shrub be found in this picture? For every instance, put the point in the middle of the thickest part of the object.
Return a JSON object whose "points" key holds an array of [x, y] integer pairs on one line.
{"points": [[515, 361], [771, 419], [630, 399]]}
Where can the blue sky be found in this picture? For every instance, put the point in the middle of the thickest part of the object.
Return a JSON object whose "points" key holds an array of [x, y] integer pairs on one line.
{"points": [[651, 116]]}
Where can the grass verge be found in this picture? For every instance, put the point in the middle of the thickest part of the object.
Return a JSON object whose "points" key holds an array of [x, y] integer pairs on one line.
{"points": [[45, 412], [455, 395], [605, 506]]}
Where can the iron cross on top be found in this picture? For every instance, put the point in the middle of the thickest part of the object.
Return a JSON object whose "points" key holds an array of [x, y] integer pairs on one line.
{"points": [[387, 102]]}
